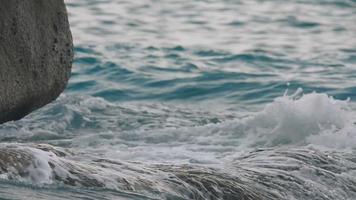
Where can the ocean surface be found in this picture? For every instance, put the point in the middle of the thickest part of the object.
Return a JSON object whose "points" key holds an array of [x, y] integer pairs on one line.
{"points": [[202, 99]]}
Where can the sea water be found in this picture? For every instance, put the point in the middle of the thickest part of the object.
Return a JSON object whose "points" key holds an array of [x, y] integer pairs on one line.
{"points": [[168, 97]]}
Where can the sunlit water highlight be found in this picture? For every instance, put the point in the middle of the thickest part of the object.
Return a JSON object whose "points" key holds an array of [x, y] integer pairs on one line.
{"points": [[196, 100]]}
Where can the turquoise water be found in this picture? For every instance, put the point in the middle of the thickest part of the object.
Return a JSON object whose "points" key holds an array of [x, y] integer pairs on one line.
{"points": [[178, 99]]}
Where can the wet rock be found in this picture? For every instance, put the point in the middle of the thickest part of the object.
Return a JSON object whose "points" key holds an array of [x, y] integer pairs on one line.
{"points": [[262, 175], [45, 164], [36, 52]]}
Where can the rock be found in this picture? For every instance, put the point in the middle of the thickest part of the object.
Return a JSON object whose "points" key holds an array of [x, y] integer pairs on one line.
{"points": [[42, 164], [36, 52], [264, 174]]}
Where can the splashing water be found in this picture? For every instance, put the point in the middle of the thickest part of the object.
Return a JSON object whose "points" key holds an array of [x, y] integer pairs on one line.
{"points": [[303, 118]]}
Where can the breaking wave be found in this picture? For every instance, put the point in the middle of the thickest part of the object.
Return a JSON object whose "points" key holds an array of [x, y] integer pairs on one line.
{"points": [[298, 147]]}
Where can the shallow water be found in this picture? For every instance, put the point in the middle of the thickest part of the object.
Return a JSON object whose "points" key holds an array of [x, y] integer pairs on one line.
{"points": [[196, 100]]}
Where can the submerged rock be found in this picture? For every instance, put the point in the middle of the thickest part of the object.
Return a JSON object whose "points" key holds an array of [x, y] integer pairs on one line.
{"points": [[44, 164], [262, 175], [36, 52]]}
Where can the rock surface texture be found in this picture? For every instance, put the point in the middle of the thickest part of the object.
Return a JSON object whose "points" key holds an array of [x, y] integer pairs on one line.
{"points": [[36, 52]]}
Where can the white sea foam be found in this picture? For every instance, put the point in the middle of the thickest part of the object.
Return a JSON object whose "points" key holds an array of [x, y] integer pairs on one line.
{"points": [[302, 118], [40, 171], [295, 120]]}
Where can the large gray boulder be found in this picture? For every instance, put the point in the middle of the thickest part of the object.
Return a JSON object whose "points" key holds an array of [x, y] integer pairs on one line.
{"points": [[36, 52]]}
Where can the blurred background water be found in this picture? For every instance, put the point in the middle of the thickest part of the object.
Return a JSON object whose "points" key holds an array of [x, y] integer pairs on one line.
{"points": [[201, 83], [237, 52]]}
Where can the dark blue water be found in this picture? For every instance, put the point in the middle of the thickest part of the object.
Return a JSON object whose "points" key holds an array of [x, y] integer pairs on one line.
{"points": [[262, 92]]}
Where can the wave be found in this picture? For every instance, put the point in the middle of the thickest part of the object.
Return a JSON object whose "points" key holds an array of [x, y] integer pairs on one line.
{"points": [[156, 132], [290, 120], [301, 119], [299, 146]]}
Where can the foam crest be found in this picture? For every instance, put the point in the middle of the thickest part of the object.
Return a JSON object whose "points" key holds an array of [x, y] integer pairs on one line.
{"points": [[301, 118]]}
